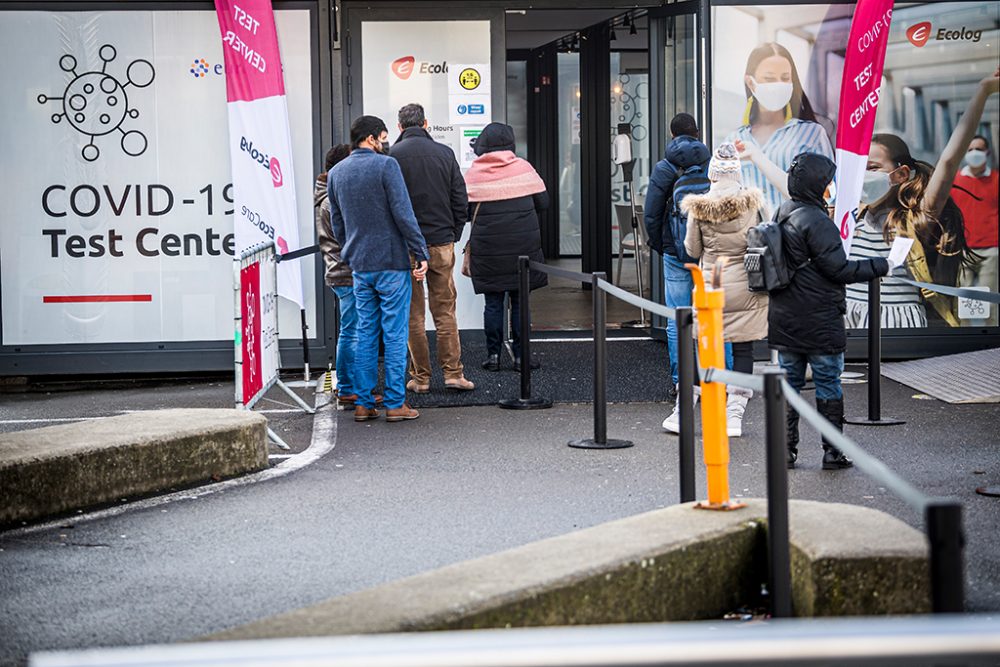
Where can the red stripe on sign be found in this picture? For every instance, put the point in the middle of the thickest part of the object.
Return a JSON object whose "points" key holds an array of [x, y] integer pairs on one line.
{"points": [[97, 298]]}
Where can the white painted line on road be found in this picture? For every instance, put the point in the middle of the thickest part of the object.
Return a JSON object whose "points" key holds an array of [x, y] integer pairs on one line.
{"points": [[280, 456], [324, 439]]}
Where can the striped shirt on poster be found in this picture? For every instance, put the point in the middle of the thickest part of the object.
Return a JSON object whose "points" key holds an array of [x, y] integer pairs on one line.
{"points": [[794, 137], [901, 304]]}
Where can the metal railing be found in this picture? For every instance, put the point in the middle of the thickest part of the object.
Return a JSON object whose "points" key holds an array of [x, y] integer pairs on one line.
{"points": [[942, 516]]}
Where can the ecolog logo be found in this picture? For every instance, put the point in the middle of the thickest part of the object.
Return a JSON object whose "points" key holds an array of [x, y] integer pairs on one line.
{"points": [[919, 33], [405, 67]]}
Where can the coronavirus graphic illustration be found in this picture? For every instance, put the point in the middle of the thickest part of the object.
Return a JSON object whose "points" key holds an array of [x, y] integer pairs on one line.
{"points": [[96, 103]]}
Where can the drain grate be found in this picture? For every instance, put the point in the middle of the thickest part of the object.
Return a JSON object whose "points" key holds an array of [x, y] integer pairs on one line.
{"points": [[970, 377]]}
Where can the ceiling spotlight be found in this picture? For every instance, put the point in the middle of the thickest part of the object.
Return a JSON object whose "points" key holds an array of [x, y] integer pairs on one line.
{"points": [[613, 35], [631, 29]]}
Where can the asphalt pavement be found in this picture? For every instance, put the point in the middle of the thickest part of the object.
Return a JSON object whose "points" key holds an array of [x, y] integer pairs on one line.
{"points": [[392, 500]]}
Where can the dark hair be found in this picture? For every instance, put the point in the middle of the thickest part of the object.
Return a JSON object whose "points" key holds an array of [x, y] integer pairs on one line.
{"points": [[984, 139], [364, 127], [333, 156], [684, 124], [412, 115], [799, 103], [944, 235]]}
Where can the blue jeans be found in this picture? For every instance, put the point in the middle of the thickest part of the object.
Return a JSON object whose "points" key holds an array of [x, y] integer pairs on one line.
{"points": [[347, 340], [677, 288], [826, 372], [493, 321], [382, 300]]}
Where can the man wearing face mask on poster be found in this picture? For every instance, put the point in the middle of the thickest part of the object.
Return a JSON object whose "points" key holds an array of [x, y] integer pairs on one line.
{"points": [[778, 123], [903, 196], [372, 219], [975, 191]]}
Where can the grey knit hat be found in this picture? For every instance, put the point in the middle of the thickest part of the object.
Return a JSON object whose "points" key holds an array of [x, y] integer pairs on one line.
{"points": [[725, 164]]}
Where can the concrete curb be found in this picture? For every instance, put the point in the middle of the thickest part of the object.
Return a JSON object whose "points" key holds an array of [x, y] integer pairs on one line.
{"points": [[57, 469], [665, 565]]}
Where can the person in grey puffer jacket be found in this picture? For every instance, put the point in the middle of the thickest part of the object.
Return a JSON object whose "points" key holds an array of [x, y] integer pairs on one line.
{"points": [[339, 278]]}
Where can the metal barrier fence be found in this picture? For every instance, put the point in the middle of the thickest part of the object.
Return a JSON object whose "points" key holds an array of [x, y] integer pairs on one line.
{"points": [[942, 516]]}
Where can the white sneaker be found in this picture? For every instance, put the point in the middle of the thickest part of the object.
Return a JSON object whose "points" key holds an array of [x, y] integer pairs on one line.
{"points": [[672, 424], [735, 407]]}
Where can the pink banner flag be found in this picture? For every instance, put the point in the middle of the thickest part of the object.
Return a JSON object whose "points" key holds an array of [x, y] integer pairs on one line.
{"points": [[260, 142], [859, 97]]}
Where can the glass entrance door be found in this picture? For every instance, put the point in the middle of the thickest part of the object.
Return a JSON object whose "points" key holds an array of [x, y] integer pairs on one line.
{"points": [[677, 84]]}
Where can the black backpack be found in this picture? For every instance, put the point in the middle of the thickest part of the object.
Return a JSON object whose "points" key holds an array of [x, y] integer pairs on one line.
{"points": [[693, 180], [765, 261]]}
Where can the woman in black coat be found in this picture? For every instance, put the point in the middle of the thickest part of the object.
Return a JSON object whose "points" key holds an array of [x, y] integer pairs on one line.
{"points": [[806, 319], [505, 196]]}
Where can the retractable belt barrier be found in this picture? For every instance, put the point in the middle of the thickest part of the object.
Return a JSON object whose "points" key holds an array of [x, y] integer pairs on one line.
{"points": [[960, 292], [942, 516]]}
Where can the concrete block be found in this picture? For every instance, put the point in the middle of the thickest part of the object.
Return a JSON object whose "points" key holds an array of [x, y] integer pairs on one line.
{"points": [[849, 560], [673, 564], [53, 470]]}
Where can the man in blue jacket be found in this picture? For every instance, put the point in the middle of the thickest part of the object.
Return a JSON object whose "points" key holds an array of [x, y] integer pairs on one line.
{"points": [[373, 220], [683, 152]]}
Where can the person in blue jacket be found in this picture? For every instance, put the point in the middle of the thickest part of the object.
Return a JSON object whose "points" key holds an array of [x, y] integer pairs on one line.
{"points": [[683, 152], [372, 219]]}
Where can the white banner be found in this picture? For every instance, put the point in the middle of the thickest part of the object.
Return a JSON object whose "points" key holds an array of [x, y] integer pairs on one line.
{"points": [[259, 136], [127, 236]]}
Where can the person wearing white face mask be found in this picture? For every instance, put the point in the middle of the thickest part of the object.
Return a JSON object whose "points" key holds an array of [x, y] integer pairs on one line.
{"points": [[975, 191], [778, 123], [906, 197]]}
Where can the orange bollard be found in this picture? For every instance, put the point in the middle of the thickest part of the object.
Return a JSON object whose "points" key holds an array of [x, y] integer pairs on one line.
{"points": [[709, 302]]}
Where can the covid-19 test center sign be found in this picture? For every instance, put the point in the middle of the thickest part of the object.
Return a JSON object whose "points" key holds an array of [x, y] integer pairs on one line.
{"points": [[118, 204]]}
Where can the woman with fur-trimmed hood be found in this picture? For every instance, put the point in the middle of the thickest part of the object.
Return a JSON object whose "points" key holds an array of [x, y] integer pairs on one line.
{"points": [[717, 227]]}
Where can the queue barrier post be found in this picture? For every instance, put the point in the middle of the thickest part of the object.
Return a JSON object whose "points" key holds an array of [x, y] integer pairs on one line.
{"points": [[525, 401], [779, 558], [875, 360], [685, 394], [708, 302], [600, 440], [947, 542]]}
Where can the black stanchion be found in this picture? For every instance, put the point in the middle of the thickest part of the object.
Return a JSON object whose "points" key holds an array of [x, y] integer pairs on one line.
{"points": [[600, 439], [875, 360], [685, 394], [944, 532], [778, 557], [525, 401]]}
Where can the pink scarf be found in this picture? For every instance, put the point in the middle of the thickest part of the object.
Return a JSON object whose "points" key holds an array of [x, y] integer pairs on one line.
{"points": [[501, 175]]}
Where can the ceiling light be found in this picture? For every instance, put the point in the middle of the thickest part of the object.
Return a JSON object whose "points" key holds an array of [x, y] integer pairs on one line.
{"points": [[631, 29], [613, 35]]}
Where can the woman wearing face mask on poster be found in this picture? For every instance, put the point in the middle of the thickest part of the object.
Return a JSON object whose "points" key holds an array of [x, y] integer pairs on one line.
{"points": [[778, 123], [906, 197]]}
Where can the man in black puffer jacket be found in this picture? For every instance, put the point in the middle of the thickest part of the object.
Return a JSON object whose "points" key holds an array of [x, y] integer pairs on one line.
{"points": [[437, 192], [806, 319]]}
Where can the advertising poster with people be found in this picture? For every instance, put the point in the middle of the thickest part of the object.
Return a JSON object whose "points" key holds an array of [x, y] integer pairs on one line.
{"points": [[931, 169]]}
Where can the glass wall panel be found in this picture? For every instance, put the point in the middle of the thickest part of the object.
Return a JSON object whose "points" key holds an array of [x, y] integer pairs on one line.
{"points": [[928, 87], [629, 104], [517, 104], [568, 106]]}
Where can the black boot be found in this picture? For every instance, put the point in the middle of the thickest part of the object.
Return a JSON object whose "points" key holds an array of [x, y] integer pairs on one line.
{"points": [[833, 410], [792, 436], [492, 363]]}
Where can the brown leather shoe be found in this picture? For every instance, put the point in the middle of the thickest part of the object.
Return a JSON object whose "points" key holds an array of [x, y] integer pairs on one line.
{"points": [[399, 414], [459, 384], [348, 400], [363, 414], [417, 388]]}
